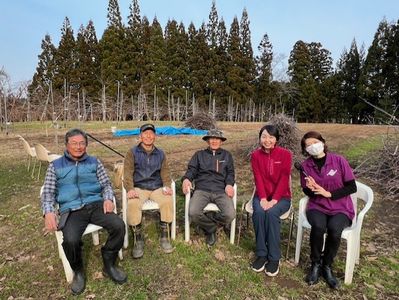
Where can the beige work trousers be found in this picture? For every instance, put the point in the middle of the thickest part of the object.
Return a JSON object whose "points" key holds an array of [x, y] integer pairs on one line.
{"points": [[134, 206]]}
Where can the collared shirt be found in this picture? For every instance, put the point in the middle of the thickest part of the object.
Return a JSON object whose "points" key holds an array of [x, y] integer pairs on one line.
{"points": [[48, 198], [332, 176]]}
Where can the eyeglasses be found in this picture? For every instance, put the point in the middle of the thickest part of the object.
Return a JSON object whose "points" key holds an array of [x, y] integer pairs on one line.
{"points": [[80, 144]]}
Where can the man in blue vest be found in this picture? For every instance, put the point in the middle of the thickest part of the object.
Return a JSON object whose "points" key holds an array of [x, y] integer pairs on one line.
{"points": [[80, 186], [146, 176]]}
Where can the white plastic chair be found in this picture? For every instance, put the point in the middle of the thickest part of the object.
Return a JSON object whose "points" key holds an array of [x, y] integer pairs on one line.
{"points": [[91, 228], [209, 207], [31, 153], [351, 234], [289, 214], [148, 205], [43, 154]]}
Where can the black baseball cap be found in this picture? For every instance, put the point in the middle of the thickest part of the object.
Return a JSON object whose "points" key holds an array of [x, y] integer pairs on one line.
{"points": [[147, 126]]}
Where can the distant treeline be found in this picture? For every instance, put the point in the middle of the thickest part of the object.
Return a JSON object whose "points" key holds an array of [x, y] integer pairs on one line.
{"points": [[210, 66]]}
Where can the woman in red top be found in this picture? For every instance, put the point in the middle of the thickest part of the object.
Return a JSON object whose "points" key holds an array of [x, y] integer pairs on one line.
{"points": [[271, 166]]}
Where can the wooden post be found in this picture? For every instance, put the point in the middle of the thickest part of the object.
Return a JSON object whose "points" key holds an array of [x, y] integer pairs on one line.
{"points": [[45, 106], [5, 112], [214, 108], [186, 108], [155, 103], [117, 103], [103, 105], [173, 108], [169, 112], [121, 106], [210, 103], [79, 117], [194, 105], [178, 109], [84, 105]]}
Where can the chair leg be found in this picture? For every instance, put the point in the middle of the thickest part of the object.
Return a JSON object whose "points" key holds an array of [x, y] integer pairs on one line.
{"points": [[233, 231], [40, 167], [173, 233], [350, 259], [240, 225], [67, 267], [299, 236], [357, 259], [292, 218], [186, 223], [124, 217], [33, 169]]}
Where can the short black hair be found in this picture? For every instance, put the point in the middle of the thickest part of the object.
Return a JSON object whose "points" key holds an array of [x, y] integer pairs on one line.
{"points": [[271, 130], [75, 132]]}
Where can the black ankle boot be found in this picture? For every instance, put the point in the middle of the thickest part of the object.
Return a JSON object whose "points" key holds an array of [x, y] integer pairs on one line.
{"points": [[314, 273], [110, 270], [79, 282], [328, 275]]}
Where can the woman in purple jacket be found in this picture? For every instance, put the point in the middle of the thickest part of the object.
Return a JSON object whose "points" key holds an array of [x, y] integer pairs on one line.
{"points": [[328, 180]]}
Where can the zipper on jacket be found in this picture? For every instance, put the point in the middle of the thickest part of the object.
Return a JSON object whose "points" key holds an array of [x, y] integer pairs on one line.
{"points": [[77, 183]]}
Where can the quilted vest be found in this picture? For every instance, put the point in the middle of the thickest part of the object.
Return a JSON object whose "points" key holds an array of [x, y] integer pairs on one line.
{"points": [[77, 182], [147, 168]]}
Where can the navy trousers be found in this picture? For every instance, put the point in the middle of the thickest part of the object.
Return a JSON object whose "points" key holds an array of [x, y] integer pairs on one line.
{"points": [[267, 226]]}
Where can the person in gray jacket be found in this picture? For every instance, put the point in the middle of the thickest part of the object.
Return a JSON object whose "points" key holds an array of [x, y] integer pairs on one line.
{"points": [[212, 171]]}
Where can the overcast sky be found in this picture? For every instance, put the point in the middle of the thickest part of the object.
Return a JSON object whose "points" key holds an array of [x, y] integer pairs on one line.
{"points": [[335, 23]]}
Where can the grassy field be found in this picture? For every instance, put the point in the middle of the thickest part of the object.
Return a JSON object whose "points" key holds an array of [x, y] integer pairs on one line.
{"points": [[30, 267]]}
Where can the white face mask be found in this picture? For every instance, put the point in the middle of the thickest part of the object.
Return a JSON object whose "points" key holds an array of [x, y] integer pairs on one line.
{"points": [[315, 149]]}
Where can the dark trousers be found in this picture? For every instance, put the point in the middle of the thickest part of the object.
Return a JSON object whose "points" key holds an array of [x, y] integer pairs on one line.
{"points": [[267, 226], [76, 224], [208, 221], [321, 224]]}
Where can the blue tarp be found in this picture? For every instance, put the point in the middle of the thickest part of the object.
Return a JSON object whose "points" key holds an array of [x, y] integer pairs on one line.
{"points": [[166, 130]]}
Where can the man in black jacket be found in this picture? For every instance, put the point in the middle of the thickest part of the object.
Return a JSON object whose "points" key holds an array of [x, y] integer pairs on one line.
{"points": [[212, 170]]}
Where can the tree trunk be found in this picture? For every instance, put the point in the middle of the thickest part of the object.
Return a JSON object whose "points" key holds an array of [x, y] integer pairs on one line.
{"points": [[103, 105]]}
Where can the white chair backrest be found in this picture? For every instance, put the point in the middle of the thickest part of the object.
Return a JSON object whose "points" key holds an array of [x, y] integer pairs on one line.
{"points": [[41, 152], [27, 147]]}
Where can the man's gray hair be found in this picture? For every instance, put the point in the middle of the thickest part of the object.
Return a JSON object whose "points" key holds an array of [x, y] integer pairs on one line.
{"points": [[75, 132]]}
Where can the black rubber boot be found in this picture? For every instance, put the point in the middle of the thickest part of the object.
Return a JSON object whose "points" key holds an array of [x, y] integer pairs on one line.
{"points": [[79, 282], [210, 238], [328, 275], [110, 270], [138, 246], [165, 238], [314, 273]]}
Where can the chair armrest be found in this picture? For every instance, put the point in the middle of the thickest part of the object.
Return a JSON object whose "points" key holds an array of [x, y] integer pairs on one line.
{"points": [[248, 205], [303, 203], [235, 196], [366, 194], [114, 201]]}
